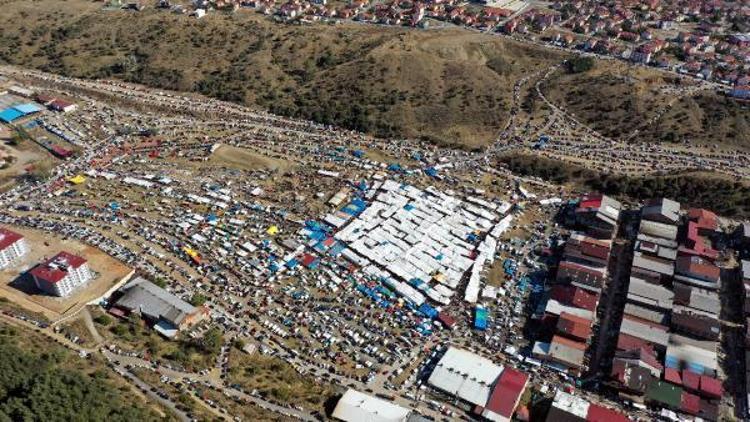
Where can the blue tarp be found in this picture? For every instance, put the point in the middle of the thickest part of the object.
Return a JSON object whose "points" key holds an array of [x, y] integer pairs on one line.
{"points": [[431, 171], [291, 263], [10, 114], [28, 108], [394, 167], [358, 153], [428, 310], [337, 249], [408, 207], [480, 318]]}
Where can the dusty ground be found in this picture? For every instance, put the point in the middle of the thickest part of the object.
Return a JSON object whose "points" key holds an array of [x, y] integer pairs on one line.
{"points": [[21, 291], [244, 159]]}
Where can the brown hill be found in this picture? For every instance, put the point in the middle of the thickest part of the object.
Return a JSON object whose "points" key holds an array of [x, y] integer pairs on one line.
{"points": [[616, 99], [451, 86]]}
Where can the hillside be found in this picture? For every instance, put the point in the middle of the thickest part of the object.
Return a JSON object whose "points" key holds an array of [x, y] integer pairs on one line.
{"points": [[616, 99], [451, 86]]}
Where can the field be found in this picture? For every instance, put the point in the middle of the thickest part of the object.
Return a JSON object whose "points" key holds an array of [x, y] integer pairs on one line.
{"points": [[244, 159], [24, 155], [451, 86], [20, 290]]}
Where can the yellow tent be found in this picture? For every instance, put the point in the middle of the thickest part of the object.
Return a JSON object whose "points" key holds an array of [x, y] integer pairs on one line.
{"points": [[77, 180], [273, 230], [189, 251]]}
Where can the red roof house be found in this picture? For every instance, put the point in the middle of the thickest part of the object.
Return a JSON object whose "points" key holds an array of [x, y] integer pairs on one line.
{"points": [[710, 387], [598, 413], [505, 396]]}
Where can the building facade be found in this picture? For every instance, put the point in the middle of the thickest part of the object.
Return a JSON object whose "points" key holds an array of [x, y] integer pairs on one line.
{"points": [[12, 247], [61, 274]]}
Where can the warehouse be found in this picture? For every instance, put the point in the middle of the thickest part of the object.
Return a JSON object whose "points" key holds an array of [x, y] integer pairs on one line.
{"points": [[465, 375], [168, 313], [354, 406]]}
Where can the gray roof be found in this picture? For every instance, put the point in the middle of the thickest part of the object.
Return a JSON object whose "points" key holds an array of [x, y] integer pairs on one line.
{"points": [[652, 263], [151, 300], [641, 291], [360, 407], [746, 269], [644, 331], [663, 210], [653, 228], [466, 375]]}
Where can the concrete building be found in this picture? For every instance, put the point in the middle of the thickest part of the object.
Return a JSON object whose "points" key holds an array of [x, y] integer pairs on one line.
{"points": [[12, 247], [61, 274]]}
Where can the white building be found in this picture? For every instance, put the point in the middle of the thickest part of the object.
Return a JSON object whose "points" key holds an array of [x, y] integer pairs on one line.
{"points": [[62, 274], [12, 247]]}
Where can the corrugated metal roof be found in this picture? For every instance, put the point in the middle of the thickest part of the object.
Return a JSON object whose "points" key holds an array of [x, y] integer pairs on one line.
{"points": [[466, 375], [354, 406], [150, 299]]}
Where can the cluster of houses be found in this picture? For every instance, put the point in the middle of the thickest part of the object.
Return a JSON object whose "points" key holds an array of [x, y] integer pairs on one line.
{"points": [[668, 339], [635, 30], [570, 311]]}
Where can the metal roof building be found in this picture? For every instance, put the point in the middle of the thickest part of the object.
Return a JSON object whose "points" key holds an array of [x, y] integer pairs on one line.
{"points": [[153, 302], [466, 375], [354, 406]]}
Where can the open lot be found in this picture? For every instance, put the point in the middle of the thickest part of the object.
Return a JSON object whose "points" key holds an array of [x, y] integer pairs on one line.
{"points": [[20, 289], [244, 159]]}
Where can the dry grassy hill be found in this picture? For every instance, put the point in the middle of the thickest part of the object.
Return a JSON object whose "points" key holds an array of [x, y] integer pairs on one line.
{"points": [[615, 99], [451, 86]]}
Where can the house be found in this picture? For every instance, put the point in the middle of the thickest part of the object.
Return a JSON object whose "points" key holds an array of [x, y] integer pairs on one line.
{"points": [[574, 327], [12, 247], [168, 313], [662, 210], [62, 106], [599, 214], [697, 271], [505, 396], [61, 274], [569, 408]]}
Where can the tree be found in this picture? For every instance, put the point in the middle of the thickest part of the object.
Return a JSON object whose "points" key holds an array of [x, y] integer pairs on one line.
{"points": [[198, 299], [103, 320]]}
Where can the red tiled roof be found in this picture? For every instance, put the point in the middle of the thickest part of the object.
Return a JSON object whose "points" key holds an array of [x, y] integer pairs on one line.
{"points": [[690, 379], [697, 266], [690, 403], [52, 270], [598, 413], [705, 219], [574, 326], [672, 375], [575, 296], [590, 202], [568, 342], [627, 342], [507, 392], [8, 237], [711, 387], [595, 250]]}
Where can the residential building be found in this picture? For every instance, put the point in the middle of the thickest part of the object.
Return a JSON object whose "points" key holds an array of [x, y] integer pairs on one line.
{"points": [[61, 274], [12, 246]]}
